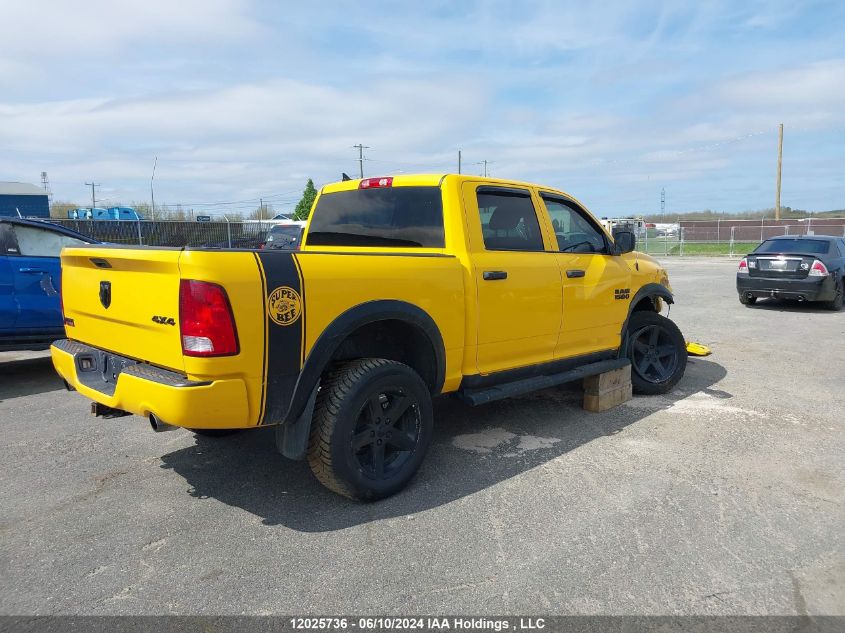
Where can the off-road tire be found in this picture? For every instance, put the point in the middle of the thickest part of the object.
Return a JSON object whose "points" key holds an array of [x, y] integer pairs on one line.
{"points": [[348, 404], [838, 297], [658, 353], [746, 300]]}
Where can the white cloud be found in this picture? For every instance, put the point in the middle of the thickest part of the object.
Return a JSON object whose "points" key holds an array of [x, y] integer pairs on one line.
{"points": [[239, 98], [247, 133], [56, 27]]}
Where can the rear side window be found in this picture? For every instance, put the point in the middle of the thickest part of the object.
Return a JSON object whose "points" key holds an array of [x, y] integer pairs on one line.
{"points": [[389, 217], [508, 221], [813, 247]]}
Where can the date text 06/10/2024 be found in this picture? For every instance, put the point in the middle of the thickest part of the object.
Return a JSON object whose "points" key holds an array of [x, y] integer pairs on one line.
{"points": [[418, 623]]}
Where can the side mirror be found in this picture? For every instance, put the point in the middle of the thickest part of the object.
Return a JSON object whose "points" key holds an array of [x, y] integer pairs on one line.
{"points": [[624, 241]]}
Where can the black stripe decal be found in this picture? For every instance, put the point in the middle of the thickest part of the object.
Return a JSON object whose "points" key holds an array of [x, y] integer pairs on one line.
{"points": [[303, 315], [264, 339], [285, 328]]}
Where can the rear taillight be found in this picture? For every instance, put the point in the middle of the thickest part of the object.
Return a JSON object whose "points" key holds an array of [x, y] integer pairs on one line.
{"points": [[205, 320], [375, 183], [743, 267], [818, 269]]}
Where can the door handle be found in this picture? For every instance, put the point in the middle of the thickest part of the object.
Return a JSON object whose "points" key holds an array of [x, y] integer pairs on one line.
{"points": [[34, 271], [574, 274], [493, 275]]}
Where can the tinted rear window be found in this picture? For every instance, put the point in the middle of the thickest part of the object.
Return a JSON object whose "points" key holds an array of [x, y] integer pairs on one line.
{"points": [[794, 246], [391, 217]]}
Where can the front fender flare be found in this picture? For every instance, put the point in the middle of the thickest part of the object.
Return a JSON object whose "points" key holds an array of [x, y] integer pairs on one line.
{"points": [[649, 291]]}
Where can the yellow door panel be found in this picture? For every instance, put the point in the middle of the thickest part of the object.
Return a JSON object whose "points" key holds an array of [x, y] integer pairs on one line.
{"points": [[518, 291], [594, 305], [596, 284]]}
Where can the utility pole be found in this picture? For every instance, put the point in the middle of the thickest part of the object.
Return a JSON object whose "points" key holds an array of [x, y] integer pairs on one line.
{"points": [[361, 149], [152, 192], [93, 199], [260, 209], [459, 161], [663, 202], [780, 162], [484, 162]]}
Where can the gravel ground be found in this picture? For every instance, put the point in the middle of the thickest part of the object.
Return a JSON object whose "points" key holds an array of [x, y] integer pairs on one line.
{"points": [[723, 497]]}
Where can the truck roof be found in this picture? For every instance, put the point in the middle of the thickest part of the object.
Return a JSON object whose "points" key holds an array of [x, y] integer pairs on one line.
{"points": [[432, 180]]}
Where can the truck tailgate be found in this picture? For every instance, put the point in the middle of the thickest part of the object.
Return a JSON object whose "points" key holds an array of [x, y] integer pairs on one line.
{"points": [[124, 300]]}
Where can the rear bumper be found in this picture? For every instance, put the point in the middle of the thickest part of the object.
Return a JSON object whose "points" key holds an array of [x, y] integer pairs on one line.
{"points": [[809, 289], [144, 390]]}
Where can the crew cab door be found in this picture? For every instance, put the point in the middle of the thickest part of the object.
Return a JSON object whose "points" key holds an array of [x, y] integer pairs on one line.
{"points": [[517, 280], [596, 284]]}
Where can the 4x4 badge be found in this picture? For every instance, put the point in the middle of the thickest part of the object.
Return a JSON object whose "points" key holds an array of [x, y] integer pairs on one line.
{"points": [[105, 293]]}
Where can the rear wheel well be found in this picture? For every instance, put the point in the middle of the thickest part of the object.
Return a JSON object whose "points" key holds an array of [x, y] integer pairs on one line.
{"points": [[395, 340]]}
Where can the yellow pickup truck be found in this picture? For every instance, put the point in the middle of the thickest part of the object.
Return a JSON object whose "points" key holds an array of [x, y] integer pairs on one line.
{"points": [[405, 288]]}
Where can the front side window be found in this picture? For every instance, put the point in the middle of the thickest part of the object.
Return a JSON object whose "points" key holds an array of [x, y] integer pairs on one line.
{"points": [[508, 221], [574, 232], [35, 242], [8, 243], [386, 217]]}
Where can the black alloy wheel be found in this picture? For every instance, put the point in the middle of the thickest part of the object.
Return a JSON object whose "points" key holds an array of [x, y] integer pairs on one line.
{"points": [[386, 433], [372, 425], [657, 351]]}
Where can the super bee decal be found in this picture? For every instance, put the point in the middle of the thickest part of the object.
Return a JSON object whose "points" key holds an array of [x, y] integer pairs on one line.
{"points": [[284, 305]]}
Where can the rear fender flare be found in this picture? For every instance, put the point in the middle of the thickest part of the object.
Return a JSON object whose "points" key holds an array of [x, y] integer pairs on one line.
{"points": [[347, 323]]}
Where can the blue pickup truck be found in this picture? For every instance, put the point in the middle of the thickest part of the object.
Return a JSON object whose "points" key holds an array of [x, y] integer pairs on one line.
{"points": [[30, 282]]}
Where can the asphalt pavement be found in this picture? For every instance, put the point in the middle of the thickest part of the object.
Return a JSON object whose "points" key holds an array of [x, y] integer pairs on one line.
{"points": [[722, 497]]}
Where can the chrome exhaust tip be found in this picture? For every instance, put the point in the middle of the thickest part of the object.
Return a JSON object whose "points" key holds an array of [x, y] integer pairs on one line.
{"points": [[159, 426]]}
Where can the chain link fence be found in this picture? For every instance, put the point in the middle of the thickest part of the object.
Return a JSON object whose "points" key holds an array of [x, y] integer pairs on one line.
{"points": [[739, 239], [249, 234]]}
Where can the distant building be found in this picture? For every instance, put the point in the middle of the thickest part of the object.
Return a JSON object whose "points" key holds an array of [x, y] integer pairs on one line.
{"points": [[20, 199]]}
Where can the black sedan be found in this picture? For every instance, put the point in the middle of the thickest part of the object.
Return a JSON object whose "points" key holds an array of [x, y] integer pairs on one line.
{"points": [[802, 267]]}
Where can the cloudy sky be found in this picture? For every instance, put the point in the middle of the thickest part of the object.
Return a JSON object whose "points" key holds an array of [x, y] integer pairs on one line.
{"points": [[610, 101]]}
